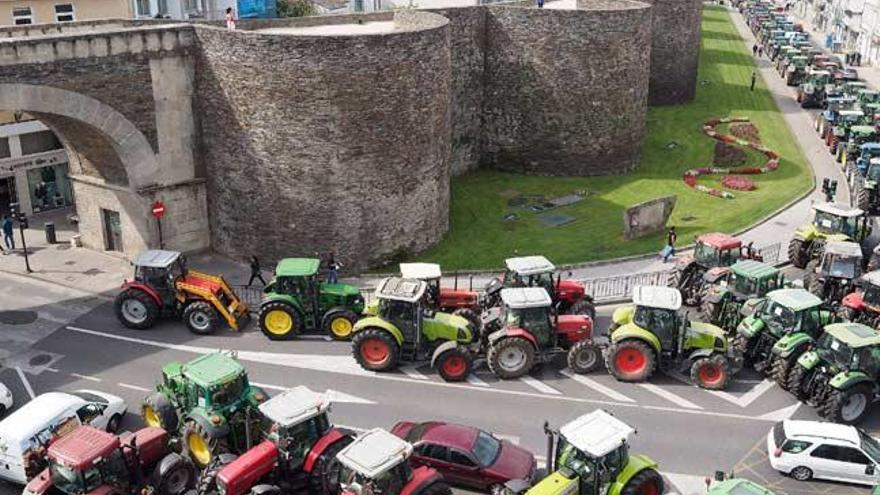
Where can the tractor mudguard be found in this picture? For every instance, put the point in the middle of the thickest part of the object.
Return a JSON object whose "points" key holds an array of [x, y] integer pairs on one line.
{"points": [[853, 300], [446, 346], [750, 326], [622, 316], [284, 298], [790, 343], [421, 477], [809, 359], [376, 322], [332, 436], [848, 379], [701, 335], [371, 309], [203, 418], [633, 331], [146, 288], [637, 463], [699, 353], [512, 332], [557, 484]]}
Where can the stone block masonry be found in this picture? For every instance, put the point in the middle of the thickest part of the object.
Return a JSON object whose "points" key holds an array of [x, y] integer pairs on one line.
{"points": [[675, 50]]}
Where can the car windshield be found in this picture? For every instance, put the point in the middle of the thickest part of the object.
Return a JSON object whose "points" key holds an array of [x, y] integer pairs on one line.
{"points": [[841, 266], [89, 397], [486, 449], [65, 479], [870, 445], [705, 254], [779, 316], [834, 351]]}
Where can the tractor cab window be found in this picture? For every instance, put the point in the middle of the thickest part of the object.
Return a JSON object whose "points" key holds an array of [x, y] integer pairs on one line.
{"points": [[729, 256], [745, 285], [512, 279], [92, 478], [871, 295], [298, 439], [661, 322], [398, 312], [869, 360], [226, 393], [828, 222], [836, 352], [569, 457], [780, 317], [66, 479], [706, 255], [292, 285], [114, 469], [812, 320], [544, 280], [835, 265], [158, 278], [874, 172], [535, 320]]}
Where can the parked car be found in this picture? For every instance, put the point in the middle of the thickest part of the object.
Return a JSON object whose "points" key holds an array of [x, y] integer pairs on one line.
{"points": [[466, 456], [6, 401], [25, 434], [810, 449]]}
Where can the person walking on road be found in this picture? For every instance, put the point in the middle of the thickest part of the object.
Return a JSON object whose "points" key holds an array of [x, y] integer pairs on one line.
{"points": [[754, 49], [230, 19], [669, 250], [754, 78], [256, 272], [7, 233], [333, 267], [760, 51], [540, 4]]}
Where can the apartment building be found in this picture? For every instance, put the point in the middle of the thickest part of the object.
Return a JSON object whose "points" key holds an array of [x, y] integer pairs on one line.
{"points": [[19, 12]]}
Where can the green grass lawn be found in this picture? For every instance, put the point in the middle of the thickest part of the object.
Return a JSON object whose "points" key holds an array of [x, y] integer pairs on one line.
{"points": [[479, 237]]}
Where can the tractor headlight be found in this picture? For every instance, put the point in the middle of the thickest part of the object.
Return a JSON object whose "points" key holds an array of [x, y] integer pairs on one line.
{"points": [[216, 420], [720, 343]]}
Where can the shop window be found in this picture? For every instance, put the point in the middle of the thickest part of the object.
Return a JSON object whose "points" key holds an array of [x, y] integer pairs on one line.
{"points": [[22, 15], [4, 148], [49, 187], [64, 12], [38, 142]]}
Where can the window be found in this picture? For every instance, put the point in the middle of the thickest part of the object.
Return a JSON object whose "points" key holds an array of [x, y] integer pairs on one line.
{"points": [[438, 452], [22, 15], [460, 458], [64, 12], [795, 446], [4, 148], [38, 142], [142, 8], [840, 454]]}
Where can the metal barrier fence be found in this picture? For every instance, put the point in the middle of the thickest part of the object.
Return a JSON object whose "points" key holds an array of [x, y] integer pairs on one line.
{"points": [[251, 295], [770, 253]]}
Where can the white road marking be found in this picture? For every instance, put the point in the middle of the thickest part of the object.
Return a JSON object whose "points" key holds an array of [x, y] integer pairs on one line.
{"points": [[86, 377], [356, 429], [25, 382], [475, 380], [685, 484], [598, 387], [752, 395], [133, 387], [45, 315], [679, 401], [744, 400], [412, 372], [539, 385], [53, 370], [781, 414]]}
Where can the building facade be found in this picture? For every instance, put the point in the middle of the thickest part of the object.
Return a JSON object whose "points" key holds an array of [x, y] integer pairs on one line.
{"points": [[22, 12]]}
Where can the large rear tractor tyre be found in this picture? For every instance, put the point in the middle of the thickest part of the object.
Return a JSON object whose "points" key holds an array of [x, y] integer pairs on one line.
{"points": [[511, 357], [174, 475], [158, 412], [645, 482], [280, 321], [848, 406], [455, 365], [709, 310], [435, 488], [375, 349], [325, 474], [863, 197], [201, 318], [136, 309], [780, 368], [631, 360], [199, 445], [339, 324], [740, 345], [711, 373], [584, 357], [795, 381], [583, 307], [798, 253], [472, 317]]}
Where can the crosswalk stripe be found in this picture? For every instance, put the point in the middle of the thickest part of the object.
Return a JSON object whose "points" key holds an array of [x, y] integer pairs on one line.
{"points": [[598, 387], [412, 372], [475, 380], [680, 401], [539, 385]]}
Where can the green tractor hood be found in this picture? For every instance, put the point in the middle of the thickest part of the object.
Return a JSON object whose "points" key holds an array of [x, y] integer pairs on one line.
{"points": [[701, 335]]}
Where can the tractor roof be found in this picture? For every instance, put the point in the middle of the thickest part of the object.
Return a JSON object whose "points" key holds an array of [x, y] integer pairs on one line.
{"points": [[872, 278], [156, 258], [754, 269], [851, 113], [401, 289], [597, 433], [843, 248], [870, 146], [526, 297], [297, 267], [529, 265], [839, 210], [212, 369], [374, 453], [420, 271], [821, 73], [854, 335], [720, 241], [82, 446], [863, 129], [794, 299], [655, 296], [294, 405]]}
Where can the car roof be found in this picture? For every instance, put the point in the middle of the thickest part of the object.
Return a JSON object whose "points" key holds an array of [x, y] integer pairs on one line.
{"points": [[294, 405], [297, 267], [597, 433], [838, 209], [752, 268], [529, 265], [79, 448], [156, 258], [211, 369], [526, 297], [34, 415], [804, 428], [421, 271], [655, 296], [854, 335], [794, 299], [845, 248], [872, 278], [450, 434], [374, 453], [401, 289]]}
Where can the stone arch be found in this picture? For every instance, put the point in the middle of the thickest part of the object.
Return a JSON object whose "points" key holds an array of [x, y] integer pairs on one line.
{"points": [[135, 153]]}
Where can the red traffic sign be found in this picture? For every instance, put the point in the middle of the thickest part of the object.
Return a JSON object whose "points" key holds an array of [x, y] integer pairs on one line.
{"points": [[158, 209]]}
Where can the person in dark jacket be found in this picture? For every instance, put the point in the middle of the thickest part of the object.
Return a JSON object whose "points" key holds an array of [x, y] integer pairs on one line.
{"points": [[256, 271], [333, 267], [669, 250], [7, 232]]}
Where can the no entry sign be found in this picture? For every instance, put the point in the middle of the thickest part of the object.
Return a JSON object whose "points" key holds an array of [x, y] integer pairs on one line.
{"points": [[158, 209]]}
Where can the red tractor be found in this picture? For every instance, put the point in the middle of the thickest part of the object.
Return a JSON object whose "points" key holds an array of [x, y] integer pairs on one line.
{"points": [[465, 303], [569, 296], [714, 250], [532, 333], [164, 287], [298, 454], [863, 306], [92, 461]]}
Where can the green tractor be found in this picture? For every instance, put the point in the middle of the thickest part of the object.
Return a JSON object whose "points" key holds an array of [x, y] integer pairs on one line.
{"points": [[296, 300], [858, 135], [846, 120], [796, 70], [405, 328], [590, 456], [746, 279], [839, 377], [863, 184], [209, 403], [832, 221], [729, 485], [777, 328], [651, 334], [711, 251], [834, 274], [811, 92]]}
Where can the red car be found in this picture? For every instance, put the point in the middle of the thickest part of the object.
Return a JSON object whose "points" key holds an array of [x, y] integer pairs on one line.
{"points": [[466, 456]]}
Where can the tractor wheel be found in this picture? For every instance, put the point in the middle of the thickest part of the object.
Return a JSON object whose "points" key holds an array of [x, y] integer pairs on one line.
{"points": [[199, 445], [472, 317], [174, 475], [816, 285], [798, 253], [795, 381], [848, 406], [455, 364], [280, 321], [136, 309], [339, 324], [584, 357], [709, 310], [201, 318], [583, 307], [645, 482], [863, 197], [158, 412], [511, 357], [207, 482], [375, 349], [711, 373], [325, 474], [740, 345], [675, 279], [631, 360]]}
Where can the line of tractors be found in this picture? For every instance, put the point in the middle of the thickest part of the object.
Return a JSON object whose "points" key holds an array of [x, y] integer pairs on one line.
{"points": [[209, 431]]}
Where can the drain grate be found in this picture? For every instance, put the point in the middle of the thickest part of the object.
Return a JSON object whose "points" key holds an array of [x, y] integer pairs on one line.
{"points": [[18, 317]]}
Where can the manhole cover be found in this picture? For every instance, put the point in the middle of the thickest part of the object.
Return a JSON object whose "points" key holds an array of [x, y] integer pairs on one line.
{"points": [[18, 317], [69, 263], [40, 360]]}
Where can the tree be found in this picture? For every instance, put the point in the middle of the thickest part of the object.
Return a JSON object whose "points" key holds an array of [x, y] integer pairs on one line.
{"points": [[296, 8]]}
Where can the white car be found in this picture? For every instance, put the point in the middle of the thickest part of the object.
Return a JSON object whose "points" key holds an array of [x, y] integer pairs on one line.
{"points": [[6, 401], [100, 409], [831, 451]]}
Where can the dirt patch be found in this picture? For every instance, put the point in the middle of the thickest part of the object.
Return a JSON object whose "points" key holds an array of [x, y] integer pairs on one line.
{"points": [[745, 130], [728, 156]]}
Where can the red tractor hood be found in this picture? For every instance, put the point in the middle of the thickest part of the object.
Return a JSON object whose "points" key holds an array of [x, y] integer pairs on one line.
{"points": [[41, 483], [853, 300], [570, 291], [575, 328], [243, 473]]}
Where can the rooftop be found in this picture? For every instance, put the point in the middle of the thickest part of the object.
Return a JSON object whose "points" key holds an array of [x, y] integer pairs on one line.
{"points": [[529, 265], [295, 405], [156, 258], [526, 297], [843, 248], [794, 299], [374, 453], [400, 289], [854, 335], [79, 448], [720, 241], [420, 271], [297, 267], [838, 210], [597, 433], [754, 269], [212, 369], [655, 296]]}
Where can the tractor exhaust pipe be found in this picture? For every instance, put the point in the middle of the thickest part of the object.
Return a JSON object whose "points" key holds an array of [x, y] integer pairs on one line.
{"points": [[471, 283], [550, 438], [455, 284]]}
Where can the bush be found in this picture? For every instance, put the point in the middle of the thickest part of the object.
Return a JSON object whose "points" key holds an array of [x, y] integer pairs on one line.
{"points": [[296, 8]]}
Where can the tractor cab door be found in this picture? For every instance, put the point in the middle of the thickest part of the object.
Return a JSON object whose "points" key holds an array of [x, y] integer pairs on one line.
{"points": [[609, 467], [811, 321], [405, 316], [667, 326], [312, 299], [537, 322], [159, 279], [869, 361]]}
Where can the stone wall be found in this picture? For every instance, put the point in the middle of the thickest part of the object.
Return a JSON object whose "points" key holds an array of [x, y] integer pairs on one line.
{"points": [[566, 90], [343, 145], [675, 50]]}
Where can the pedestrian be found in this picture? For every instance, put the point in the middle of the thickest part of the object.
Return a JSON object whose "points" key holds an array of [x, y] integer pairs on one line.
{"points": [[230, 19], [754, 49], [760, 51], [256, 272], [333, 267], [669, 250], [7, 232], [540, 4], [754, 78]]}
